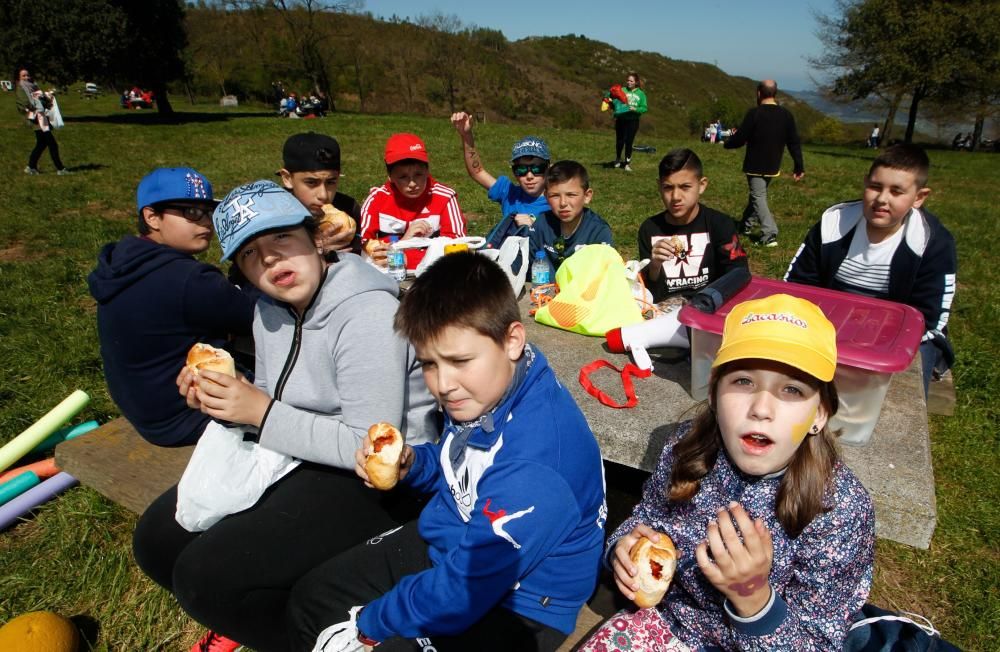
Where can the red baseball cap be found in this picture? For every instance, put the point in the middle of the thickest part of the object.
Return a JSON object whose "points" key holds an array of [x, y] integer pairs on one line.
{"points": [[400, 147]]}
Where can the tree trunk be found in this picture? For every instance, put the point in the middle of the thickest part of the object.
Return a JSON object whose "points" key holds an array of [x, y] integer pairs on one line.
{"points": [[911, 119], [190, 91], [977, 131], [890, 120], [163, 106], [358, 80]]}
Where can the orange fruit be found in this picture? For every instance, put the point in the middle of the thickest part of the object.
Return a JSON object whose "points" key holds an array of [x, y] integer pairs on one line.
{"points": [[39, 631]]}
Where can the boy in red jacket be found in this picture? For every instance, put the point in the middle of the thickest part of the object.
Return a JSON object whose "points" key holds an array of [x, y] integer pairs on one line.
{"points": [[411, 204]]}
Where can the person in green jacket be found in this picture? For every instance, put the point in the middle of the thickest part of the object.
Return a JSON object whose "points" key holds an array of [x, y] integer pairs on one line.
{"points": [[626, 114]]}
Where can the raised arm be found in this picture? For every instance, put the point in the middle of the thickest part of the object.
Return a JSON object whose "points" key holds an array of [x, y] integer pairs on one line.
{"points": [[473, 164]]}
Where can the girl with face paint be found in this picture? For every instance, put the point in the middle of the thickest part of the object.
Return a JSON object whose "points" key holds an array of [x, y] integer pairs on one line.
{"points": [[775, 535]]}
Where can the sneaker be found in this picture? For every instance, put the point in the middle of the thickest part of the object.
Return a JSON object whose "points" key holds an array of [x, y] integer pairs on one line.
{"points": [[31, 170], [746, 230], [214, 642], [769, 242], [63, 172], [627, 167]]}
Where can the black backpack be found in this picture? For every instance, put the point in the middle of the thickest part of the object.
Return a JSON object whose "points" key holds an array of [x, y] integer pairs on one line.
{"points": [[878, 630]]}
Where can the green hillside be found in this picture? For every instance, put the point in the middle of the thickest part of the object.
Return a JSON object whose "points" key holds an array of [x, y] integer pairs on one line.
{"points": [[379, 66]]}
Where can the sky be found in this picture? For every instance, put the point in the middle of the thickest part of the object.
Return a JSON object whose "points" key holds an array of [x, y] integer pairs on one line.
{"points": [[751, 38]]}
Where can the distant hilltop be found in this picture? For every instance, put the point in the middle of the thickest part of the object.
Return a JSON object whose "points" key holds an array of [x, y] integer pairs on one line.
{"points": [[397, 66]]}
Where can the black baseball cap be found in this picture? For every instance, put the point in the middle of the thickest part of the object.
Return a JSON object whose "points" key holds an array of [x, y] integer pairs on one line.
{"points": [[311, 151]]}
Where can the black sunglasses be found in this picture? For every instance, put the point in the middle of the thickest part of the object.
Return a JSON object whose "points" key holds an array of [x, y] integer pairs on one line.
{"points": [[189, 213], [536, 169]]}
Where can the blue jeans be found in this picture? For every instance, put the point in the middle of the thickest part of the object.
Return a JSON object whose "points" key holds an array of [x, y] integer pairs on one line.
{"points": [[930, 356], [757, 211]]}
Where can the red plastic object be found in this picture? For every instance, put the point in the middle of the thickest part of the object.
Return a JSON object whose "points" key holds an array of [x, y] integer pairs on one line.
{"points": [[872, 334]]}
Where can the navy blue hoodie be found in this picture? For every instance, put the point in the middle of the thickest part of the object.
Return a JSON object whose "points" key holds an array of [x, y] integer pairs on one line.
{"points": [[153, 303]]}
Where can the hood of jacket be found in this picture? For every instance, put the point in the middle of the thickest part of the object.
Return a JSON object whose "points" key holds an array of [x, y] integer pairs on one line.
{"points": [[122, 264]]}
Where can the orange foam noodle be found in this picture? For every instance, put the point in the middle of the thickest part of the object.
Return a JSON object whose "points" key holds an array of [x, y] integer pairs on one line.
{"points": [[43, 469]]}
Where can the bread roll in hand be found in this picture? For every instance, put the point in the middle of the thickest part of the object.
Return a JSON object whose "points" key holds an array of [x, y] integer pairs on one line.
{"points": [[656, 563], [336, 221], [382, 463], [205, 356]]}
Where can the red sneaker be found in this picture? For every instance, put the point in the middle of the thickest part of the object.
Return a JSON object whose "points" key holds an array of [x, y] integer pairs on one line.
{"points": [[214, 642]]}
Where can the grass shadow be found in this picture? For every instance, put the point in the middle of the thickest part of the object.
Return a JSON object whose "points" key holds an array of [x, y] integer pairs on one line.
{"points": [[154, 118]]}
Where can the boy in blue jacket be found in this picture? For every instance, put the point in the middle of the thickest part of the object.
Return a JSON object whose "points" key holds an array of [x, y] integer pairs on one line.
{"points": [[155, 301], [507, 548]]}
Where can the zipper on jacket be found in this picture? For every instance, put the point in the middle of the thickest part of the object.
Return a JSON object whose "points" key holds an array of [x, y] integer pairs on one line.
{"points": [[293, 354]]}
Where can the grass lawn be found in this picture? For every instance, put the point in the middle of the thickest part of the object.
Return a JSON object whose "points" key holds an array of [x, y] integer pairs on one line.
{"points": [[74, 556]]}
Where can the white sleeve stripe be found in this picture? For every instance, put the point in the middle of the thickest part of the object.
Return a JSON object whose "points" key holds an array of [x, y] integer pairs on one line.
{"points": [[794, 258]]}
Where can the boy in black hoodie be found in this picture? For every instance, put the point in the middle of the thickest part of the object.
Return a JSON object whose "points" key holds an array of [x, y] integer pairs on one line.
{"points": [[154, 301]]}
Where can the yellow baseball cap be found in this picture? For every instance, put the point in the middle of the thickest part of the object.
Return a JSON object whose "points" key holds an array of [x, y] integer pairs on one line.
{"points": [[782, 328]]}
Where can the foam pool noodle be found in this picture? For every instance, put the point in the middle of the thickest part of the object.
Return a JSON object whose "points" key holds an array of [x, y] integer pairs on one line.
{"points": [[64, 434], [35, 497], [38, 431], [43, 469], [16, 486]]}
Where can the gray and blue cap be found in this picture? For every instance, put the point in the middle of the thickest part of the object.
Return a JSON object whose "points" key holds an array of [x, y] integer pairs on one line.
{"points": [[253, 208], [530, 146]]}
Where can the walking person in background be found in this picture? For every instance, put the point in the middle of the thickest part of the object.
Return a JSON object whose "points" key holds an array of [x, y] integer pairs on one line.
{"points": [[34, 104], [873, 139], [626, 113], [766, 130]]}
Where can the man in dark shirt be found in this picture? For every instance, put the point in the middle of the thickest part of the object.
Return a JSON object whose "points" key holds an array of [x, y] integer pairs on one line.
{"points": [[766, 130]]}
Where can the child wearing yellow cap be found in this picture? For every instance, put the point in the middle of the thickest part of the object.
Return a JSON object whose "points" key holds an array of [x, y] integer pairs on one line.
{"points": [[774, 534]]}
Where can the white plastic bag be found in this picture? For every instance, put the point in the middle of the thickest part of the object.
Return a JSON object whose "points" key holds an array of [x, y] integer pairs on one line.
{"points": [[55, 115], [435, 248], [225, 475], [342, 637], [639, 291], [507, 255]]}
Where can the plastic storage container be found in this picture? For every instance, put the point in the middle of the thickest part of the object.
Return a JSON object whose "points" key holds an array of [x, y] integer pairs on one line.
{"points": [[875, 339]]}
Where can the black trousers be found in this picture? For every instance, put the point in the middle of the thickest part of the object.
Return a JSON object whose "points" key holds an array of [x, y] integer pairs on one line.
{"points": [[236, 577], [626, 127], [367, 571], [45, 139]]}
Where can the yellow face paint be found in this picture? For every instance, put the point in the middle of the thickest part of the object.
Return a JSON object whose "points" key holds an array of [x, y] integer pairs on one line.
{"points": [[800, 430]]}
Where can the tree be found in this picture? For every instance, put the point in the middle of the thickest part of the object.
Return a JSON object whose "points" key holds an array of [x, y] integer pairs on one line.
{"points": [[444, 46], [106, 40], [893, 49], [307, 32]]}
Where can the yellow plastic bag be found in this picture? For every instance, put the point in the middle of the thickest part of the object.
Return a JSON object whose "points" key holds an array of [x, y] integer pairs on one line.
{"points": [[594, 294]]}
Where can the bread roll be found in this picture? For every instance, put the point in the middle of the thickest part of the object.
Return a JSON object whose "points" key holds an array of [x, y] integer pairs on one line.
{"points": [[371, 246], [335, 221], [382, 463], [656, 563], [205, 356]]}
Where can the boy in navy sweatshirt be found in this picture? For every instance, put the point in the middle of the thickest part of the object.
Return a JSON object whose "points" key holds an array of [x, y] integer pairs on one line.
{"points": [[888, 246], [508, 546], [155, 301]]}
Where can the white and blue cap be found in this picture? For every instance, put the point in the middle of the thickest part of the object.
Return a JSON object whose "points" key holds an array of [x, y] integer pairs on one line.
{"points": [[253, 208], [173, 184], [530, 146]]}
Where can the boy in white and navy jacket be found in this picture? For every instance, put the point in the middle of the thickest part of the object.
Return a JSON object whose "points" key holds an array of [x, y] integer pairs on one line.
{"points": [[508, 547], [902, 254]]}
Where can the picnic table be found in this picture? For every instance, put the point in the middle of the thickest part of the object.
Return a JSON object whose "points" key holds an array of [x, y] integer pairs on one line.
{"points": [[895, 466]]}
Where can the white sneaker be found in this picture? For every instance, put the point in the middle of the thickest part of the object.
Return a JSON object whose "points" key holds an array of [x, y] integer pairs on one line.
{"points": [[64, 172], [30, 170]]}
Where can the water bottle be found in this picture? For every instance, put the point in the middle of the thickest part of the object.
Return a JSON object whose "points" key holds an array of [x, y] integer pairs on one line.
{"points": [[540, 274], [396, 260]]}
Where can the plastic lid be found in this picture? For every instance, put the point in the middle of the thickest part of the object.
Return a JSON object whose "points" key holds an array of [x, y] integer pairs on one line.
{"points": [[393, 238], [540, 255], [873, 334]]}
